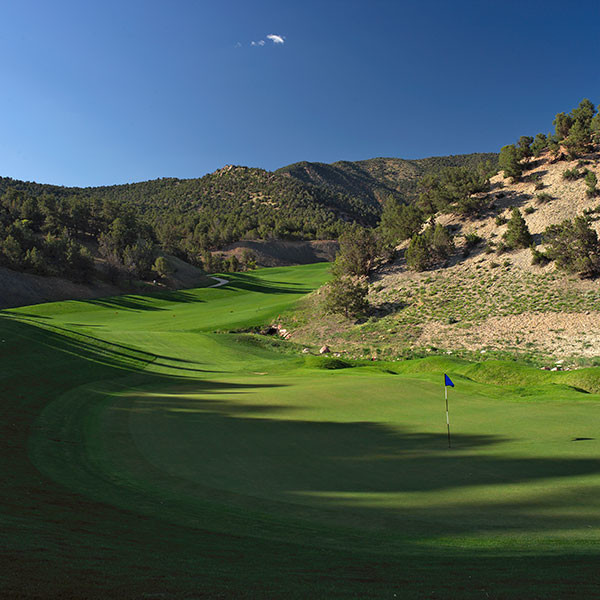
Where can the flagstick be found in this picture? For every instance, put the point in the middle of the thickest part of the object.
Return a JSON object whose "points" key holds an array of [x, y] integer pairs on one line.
{"points": [[447, 415]]}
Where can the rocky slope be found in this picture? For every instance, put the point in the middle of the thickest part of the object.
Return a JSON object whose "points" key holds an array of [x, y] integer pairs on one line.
{"points": [[484, 302]]}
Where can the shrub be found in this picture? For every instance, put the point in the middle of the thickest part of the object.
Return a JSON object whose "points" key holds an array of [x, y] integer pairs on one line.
{"points": [[538, 257], [543, 198], [572, 174], [529, 210], [472, 239], [500, 220], [591, 181]]}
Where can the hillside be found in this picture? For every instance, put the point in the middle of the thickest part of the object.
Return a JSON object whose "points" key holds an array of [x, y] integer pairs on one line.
{"points": [[484, 300], [224, 206], [23, 289], [376, 179]]}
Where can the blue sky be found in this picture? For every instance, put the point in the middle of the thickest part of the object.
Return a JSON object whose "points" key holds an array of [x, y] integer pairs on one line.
{"points": [[110, 92]]}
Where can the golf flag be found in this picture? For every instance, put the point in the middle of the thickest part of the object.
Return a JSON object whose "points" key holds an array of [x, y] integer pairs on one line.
{"points": [[447, 383]]}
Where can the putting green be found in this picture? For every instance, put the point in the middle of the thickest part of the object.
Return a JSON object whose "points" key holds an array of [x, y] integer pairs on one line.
{"points": [[146, 454]]}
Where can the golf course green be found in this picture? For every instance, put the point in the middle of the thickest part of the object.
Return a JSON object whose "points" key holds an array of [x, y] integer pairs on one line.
{"points": [[150, 450]]}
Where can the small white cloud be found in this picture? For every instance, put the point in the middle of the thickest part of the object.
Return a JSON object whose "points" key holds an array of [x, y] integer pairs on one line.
{"points": [[259, 43], [276, 39], [238, 45]]}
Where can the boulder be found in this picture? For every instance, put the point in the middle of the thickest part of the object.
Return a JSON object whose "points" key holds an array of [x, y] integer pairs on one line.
{"points": [[324, 350]]}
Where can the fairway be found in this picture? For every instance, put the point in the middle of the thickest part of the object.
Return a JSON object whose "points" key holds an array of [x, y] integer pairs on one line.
{"points": [[151, 450]]}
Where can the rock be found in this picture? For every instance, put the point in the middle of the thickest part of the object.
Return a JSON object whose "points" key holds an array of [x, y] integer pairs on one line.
{"points": [[305, 351], [324, 350], [554, 369]]}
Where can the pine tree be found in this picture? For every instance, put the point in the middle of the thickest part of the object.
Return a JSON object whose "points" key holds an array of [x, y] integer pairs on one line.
{"points": [[540, 143], [579, 139], [574, 246], [562, 124], [517, 233], [510, 162], [347, 295], [162, 267]]}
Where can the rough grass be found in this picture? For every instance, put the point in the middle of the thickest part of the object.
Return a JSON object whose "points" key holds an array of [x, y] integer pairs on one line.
{"points": [[152, 457]]}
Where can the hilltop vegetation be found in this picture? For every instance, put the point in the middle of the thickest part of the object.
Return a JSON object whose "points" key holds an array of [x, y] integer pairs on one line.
{"points": [[379, 179], [500, 264], [118, 232], [44, 229]]}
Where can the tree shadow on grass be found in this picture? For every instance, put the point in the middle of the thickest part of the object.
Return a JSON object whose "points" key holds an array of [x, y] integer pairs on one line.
{"points": [[144, 303], [250, 283], [92, 348], [367, 474]]}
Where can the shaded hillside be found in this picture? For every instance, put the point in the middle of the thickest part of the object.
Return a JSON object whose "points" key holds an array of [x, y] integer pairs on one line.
{"points": [[277, 253], [376, 179], [22, 289]]}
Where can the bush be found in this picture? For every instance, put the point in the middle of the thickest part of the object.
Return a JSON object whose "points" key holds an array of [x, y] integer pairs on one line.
{"points": [[529, 210], [500, 220], [591, 181], [538, 257], [472, 239], [543, 198], [572, 174]]}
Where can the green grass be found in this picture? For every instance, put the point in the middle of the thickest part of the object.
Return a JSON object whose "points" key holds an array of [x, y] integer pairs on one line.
{"points": [[146, 456]]}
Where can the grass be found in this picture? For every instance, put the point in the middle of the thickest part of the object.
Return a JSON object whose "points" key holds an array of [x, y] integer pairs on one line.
{"points": [[146, 455]]}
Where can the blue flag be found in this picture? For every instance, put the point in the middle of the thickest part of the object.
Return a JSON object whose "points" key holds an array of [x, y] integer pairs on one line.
{"points": [[448, 381]]}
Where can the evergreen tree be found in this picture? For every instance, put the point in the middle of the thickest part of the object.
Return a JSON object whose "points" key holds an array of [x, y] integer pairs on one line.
{"points": [[399, 221], [595, 128], [163, 267], [540, 143], [347, 295], [517, 233], [591, 181], [34, 261], [579, 139], [584, 113], [357, 253], [430, 248], [574, 246], [562, 124], [510, 162], [524, 143]]}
